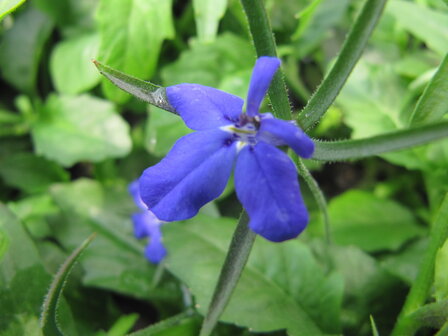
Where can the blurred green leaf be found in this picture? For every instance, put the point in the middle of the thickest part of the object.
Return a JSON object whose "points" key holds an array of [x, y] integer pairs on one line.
{"points": [[73, 17], [433, 103], [71, 67], [441, 274], [8, 6], [131, 33], [225, 64], [75, 128], [368, 290], [163, 130], [49, 317], [19, 61], [316, 22], [123, 325], [20, 298], [115, 260], [429, 25], [305, 16], [406, 263], [361, 219], [284, 279], [207, 15], [182, 324], [30, 173]]}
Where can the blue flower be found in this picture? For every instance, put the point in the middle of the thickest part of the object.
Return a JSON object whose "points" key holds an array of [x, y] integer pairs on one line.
{"points": [[146, 224], [197, 168]]}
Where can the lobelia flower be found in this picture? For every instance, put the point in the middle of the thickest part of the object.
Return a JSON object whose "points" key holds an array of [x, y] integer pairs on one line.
{"points": [[197, 168], [146, 224]]}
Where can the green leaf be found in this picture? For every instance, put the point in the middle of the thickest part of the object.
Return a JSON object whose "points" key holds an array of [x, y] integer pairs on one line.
{"points": [[131, 33], [372, 89], [207, 15], [377, 224], [8, 6], [75, 128], [348, 57], [315, 23], [115, 261], [30, 173], [123, 325], [49, 320], [407, 262], [429, 25], [441, 275], [146, 91], [182, 324], [374, 328], [433, 104], [225, 64], [70, 65], [365, 287], [162, 131], [265, 282], [20, 298], [19, 61]]}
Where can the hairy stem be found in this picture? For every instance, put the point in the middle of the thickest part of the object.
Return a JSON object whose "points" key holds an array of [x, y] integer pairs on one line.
{"points": [[239, 250]]}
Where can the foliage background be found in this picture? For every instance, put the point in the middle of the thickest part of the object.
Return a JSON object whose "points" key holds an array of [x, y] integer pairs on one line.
{"points": [[70, 142]]}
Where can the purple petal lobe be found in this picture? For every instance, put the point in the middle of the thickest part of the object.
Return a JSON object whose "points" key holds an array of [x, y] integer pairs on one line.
{"points": [[272, 130], [193, 173], [267, 186], [202, 107], [155, 251], [264, 70], [144, 223], [134, 190]]}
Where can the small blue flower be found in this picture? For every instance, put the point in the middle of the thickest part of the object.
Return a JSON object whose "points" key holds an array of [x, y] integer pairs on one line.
{"points": [[197, 168], [146, 224]]}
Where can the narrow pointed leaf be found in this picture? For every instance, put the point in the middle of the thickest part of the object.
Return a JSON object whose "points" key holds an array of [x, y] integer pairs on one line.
{"points": [[48, 318], [433, 104], [8, 6], [357, 149], [147, 91]]}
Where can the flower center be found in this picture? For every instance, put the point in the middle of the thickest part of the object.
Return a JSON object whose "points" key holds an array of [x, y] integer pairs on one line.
{"points": [[244, 131]]}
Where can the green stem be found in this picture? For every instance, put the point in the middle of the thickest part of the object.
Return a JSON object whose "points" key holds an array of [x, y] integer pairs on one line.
{"points": [[361, 148], [422, 284], [350, 53], [264, 43], [444, 330], [239, 250]]}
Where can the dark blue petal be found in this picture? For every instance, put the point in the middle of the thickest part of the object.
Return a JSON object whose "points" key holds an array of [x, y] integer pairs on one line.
{"points": [[264, 70], [272, 130], [155, 251], [202, 107], [267, 186], [144, 223], [134, 190], [193, 173]]}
